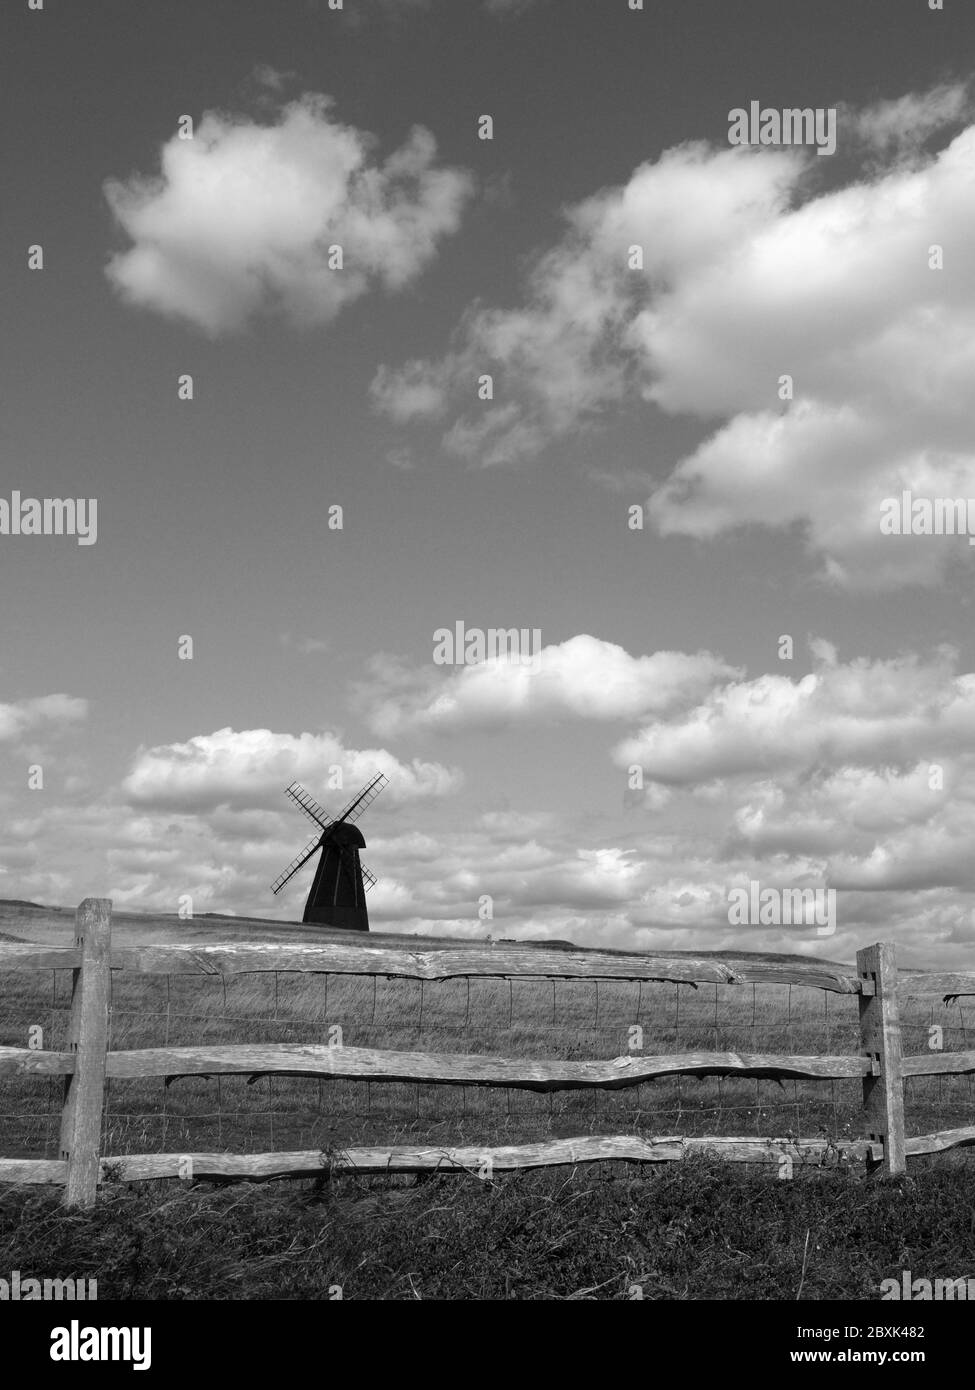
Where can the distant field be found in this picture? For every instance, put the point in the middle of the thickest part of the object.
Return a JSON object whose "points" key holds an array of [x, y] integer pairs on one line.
{"points": [[524, 1018]]}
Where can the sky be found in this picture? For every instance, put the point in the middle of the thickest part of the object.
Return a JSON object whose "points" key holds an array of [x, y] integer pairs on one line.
{"points": [[340, 372]]}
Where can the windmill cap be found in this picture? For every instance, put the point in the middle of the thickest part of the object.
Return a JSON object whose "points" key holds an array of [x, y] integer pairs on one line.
{"points": [[344, 834]]}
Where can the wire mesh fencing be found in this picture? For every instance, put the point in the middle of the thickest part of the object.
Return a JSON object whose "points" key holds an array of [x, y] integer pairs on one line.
{"points": [[529, 1018]]}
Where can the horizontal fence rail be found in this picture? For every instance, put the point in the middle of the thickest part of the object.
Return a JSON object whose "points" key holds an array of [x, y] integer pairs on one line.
{"points": [[525, 961], [374, 1064], [430, 1158], [87, 1062]]}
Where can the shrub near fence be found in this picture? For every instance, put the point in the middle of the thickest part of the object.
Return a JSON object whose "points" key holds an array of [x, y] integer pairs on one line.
{"points": [[87, 1062]]}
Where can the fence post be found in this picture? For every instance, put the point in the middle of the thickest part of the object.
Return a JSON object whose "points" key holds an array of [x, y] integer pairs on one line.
{"points": [[880, 1040], [84, 1090]]}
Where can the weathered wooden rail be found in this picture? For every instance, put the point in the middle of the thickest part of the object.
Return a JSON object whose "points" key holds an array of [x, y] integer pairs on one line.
{"points": [[87, 1062]]}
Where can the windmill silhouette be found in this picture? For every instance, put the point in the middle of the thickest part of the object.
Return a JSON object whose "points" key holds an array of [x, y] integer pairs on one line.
{"points": [[338, 893]]}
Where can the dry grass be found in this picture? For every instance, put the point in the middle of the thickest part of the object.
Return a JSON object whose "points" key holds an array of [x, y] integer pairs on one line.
{"points": [[692, 1230], [526, 1018], [684, 1231]]}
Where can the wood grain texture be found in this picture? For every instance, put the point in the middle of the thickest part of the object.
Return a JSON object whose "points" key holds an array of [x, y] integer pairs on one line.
{"points": [[938, 1064], [81, 1117], [22, 1061], [23, 955], [374, 1064], [304, 1060], [439, 963], [942, 1141], [880, 1041], [474, 1159], [492, 960], [388, 953], [48, 1172]]}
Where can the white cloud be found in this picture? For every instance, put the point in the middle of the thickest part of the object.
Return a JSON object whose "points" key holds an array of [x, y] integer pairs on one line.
{"points": [[47, 713], [251, 768], [583, 677], [566, 355], [859, 776], [866, 713], [837, 293], [240, 219], [752, 271], [846, 813]]}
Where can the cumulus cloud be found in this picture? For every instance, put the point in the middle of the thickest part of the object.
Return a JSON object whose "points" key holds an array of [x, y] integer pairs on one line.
{"points": [[883, 713], [583, 677], [853, 805], [752, 271], [568, 352], [839, 295], [250, 768], [47, 713], [240, 219], [555, 362], [858, 771], [858, 776]]}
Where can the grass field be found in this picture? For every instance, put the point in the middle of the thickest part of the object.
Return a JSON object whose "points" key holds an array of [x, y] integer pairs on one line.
{"points": [[690, 1230], [523, 1018]]}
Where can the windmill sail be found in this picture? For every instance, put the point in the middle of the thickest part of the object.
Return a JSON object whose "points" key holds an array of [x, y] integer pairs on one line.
{"points": [[295, 865], [308, 804], [365, 798]]}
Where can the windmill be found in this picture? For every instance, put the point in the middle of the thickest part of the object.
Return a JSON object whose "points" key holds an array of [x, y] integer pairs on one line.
{"points": [[338, 893]]}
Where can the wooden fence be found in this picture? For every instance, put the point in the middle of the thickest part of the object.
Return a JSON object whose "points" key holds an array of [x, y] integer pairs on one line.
{"points": [[86, 1062]]}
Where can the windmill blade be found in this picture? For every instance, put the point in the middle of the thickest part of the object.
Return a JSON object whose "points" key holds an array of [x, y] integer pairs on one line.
{"points": [[308, 805], [369, 879], [365, 798], [295, 865]]}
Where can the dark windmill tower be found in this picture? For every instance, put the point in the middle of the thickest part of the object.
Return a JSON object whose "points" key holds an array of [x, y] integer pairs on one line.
{"points": [[338, 893]]}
